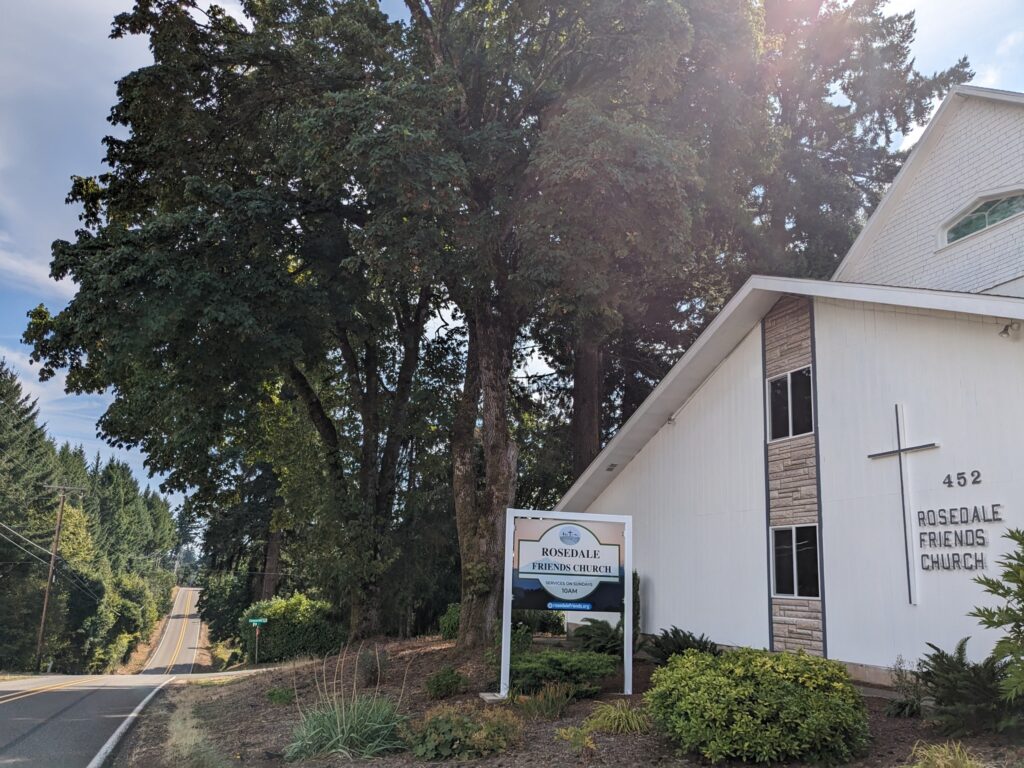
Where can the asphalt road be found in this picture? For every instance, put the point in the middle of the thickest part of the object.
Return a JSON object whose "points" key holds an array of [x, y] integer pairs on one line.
{"points": [[63, 721], [176, 650]]}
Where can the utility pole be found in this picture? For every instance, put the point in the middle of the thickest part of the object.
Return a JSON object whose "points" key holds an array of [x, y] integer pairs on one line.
{"points": [[63, 490]]}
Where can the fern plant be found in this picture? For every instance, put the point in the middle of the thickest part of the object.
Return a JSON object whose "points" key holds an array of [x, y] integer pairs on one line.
{"points": [[1009, 617], [599, 636], [967, 697], [670, 642]]}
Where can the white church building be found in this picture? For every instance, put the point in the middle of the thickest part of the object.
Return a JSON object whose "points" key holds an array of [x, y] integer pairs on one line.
{"points": [[832, 463]]}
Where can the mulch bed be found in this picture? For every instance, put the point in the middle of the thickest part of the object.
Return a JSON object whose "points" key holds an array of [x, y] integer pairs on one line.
{"points": [[247, 729]]}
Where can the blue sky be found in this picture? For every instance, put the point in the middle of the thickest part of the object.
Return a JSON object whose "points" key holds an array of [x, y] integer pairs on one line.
{"points": [[57, 74]]}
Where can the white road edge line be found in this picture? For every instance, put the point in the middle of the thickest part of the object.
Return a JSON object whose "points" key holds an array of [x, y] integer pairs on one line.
{"points": [[115, 737]]}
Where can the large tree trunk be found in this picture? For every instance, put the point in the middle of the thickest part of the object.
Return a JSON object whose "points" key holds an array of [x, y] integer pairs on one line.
{"points": [[586, 401], [271, 565], [480, 514]]}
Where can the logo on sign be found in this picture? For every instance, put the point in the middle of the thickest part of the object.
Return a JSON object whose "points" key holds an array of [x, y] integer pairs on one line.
{"points": [[569, 535]]}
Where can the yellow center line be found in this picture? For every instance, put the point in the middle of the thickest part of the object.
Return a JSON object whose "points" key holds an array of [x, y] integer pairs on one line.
{"points": [[16, 695], [181, 636]]}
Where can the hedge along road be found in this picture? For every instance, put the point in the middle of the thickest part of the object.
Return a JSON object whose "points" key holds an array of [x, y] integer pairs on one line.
{"points": [[67, 721]]}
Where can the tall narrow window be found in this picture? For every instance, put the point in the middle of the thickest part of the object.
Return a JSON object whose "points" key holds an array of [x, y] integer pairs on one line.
{"points": [[795, 561], [790, 404]]}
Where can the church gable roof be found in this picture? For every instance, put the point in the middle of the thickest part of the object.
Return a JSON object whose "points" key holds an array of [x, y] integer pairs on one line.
{"points": [[972, 149], [739, 316]]}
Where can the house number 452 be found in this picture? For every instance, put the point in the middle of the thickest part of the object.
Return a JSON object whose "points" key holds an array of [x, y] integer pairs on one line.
{"points": [[961, 479]]}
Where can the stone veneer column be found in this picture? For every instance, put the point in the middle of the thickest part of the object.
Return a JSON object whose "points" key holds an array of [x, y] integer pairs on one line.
{"points": [[792, 472]]}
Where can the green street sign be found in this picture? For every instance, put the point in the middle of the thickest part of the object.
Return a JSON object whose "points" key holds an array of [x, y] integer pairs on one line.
{"points": [[257, 621]]}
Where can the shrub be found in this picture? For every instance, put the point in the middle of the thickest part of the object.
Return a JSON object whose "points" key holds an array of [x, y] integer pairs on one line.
{"points": [[371, 666], [444, 683], [583, 669], [759, 706], [967, 697], [359, 726], [580, 741], [1009, 617], [599, 636], [450, 622], [278, 695], [949, 755], [670, 642], [296, 626], [549, 622], [909, 691], [465, 731], [549, 703], [618, 717]]}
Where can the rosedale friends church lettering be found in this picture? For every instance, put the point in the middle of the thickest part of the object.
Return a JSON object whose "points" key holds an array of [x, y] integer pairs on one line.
{"points": [[949, 530]]}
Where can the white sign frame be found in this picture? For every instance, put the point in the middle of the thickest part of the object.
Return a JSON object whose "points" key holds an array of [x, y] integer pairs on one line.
{"points": [[627, 587]]}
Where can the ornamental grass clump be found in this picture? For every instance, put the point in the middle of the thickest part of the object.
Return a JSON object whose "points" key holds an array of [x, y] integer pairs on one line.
{"points": [[759, 706], [345, 721]]}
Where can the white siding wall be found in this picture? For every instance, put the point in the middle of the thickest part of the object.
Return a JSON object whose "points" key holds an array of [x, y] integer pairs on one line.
{"points": [[962, 386], [981, 150], [696, 493]]}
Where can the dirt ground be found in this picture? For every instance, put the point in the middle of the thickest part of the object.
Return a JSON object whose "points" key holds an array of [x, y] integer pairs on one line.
{"points": [[244, 727]]}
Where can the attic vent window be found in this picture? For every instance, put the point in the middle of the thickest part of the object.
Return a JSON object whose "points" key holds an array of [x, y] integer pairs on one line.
{"points": [[985, 215], [611, 467]]}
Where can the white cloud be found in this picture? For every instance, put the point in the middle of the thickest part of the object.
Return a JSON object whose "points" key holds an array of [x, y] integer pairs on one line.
{"points": [[1008, 43], [32, 274]]}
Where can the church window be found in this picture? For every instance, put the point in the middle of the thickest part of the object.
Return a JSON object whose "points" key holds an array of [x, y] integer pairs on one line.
{"points": [[790, 405], [985, 215], [795, 561]]}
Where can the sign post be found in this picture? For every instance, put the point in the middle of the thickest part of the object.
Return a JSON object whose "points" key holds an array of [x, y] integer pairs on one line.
{"points": [[256, 624], [565, 561]]}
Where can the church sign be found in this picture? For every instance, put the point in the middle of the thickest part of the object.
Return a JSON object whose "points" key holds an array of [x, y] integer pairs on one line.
{"points": [[560, 561], [568, 568]]}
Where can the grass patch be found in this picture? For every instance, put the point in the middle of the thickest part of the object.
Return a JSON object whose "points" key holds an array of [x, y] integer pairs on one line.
{"points": [[279, 695], [212, 682], [187, 741]]}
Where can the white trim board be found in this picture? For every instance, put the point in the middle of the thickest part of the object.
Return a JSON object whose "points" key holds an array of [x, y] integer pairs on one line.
{"points": [[738, 317]]}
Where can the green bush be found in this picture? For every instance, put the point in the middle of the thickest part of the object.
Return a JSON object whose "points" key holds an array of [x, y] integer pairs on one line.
{"points": [[599, 636], [371, 666], [670, 642], [909, 690], [547, 622], [296, 626], [463, 731], [445, 683], [549, 703], [450, 622], [583, 669], [967, 697], [360, 726], [759, 706]]}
